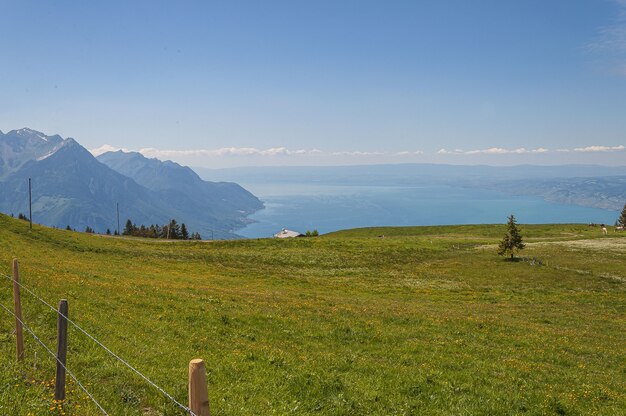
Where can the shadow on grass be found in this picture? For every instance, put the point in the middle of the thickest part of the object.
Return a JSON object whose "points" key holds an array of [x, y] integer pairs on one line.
{"points": [[513, 259]]}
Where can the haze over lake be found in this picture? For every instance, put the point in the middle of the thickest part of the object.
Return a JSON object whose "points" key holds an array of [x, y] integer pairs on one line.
{"points": [[301, 207]]}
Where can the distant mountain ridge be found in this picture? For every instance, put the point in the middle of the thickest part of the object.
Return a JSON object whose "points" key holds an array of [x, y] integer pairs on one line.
{"points": [[606, 192], [186, 192], [585, 185], [71, 187]]}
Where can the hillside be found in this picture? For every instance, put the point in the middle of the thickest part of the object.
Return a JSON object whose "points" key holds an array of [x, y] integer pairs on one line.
{"points": [[193, 198], [71, 187], [427, 320], [606, 192]]}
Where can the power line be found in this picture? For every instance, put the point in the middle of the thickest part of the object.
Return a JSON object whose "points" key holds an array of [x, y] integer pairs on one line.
{"points": [[153, 384], [55, 357]]}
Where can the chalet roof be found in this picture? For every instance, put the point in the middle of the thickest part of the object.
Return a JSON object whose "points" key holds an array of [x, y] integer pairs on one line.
{"points": [[285, 233]]}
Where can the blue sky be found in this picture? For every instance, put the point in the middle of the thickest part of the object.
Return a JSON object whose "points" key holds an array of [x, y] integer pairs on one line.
{"points": [[322, 82]]}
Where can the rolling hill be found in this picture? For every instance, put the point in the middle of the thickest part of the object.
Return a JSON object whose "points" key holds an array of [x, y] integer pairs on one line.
{"points": [[427, 320]]}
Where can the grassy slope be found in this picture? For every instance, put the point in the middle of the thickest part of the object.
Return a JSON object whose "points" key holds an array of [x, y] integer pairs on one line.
{"points": [[427, 320]]}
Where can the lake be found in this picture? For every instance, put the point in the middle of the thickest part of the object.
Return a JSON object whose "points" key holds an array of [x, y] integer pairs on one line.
{"points": [[327, 208]]}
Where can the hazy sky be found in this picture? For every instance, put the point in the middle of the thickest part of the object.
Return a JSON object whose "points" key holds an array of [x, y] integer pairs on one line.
{"points": [[322, 82]]}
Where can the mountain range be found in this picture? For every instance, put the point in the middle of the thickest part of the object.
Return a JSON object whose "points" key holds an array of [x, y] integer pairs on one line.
{"points": [[72, 187]]}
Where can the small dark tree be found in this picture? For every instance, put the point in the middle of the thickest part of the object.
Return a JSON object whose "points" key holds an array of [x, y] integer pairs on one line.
{"points": [[129, 228], [89, 230], [621, 221], [68, 228], [108, 231], [512, 240], [116, 233], [184, 234]]}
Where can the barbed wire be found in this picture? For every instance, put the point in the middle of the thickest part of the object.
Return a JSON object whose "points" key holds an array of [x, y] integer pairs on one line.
{"points": [[83, 388], [152, 383]]}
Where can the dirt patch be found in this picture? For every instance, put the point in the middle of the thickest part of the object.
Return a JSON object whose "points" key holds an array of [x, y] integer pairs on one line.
{"points": [[615, 245]]}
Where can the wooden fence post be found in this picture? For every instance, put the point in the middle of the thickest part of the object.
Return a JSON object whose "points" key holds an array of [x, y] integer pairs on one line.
{"points": [[198, 392], [59, 384], [17, 303]]}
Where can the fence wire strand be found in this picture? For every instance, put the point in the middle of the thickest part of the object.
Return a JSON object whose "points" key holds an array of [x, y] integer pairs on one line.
{"points": [[153, 384], [83, 388]]}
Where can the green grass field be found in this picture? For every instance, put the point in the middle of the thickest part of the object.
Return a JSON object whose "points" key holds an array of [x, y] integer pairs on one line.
{"points": [[425, 321]]}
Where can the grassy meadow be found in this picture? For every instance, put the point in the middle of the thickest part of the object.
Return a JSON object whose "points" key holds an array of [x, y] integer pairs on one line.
{"points": [[422, 321]]}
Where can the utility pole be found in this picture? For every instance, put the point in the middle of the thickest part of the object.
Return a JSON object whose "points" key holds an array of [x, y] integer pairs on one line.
{"points": [[118, 217], [30, 203]]}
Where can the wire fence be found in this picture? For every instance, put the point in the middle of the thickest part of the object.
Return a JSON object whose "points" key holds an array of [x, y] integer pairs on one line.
{"points": [[96, 341], [83, 388]]}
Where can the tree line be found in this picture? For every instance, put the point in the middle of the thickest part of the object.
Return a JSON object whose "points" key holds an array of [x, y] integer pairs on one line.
{"points": [[170, 231]]}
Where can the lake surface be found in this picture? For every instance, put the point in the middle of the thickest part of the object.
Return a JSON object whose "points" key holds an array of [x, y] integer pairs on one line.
{"points": [[327, 208]]}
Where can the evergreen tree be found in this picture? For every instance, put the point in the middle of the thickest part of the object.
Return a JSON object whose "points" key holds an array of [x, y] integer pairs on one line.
{"points": [[621, 221], [173, 230], [184, 234], [108, 231], [116, 233], [68, 228], [512, 240], [129, 228], [89, 230]]}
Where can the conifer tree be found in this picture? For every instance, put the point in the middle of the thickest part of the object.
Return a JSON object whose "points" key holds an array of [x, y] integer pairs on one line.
{"points": [[173, 230], [184, 234], [108, 231], [621, 221], [129, 228], [68, 228], [512, 240]]}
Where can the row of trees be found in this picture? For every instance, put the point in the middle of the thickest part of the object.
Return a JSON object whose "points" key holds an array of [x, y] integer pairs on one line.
{"points": [[170, 231]]}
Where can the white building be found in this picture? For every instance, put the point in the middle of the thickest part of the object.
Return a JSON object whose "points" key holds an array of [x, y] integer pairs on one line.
{"points": [[285, 233]]}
